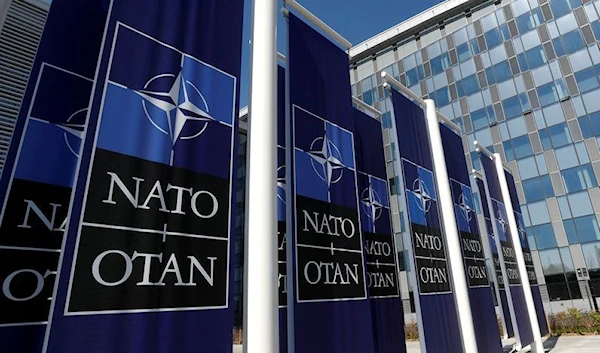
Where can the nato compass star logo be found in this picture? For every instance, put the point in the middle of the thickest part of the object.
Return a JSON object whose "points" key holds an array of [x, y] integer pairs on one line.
{"points": [[183, 103], [326, 160], [501, 220], [463, 204], [521, 229], [73, 130], [371, 203], [422, 194]]}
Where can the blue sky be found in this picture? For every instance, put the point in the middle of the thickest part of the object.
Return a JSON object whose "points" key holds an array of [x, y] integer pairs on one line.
{"points": [[355, 20]]}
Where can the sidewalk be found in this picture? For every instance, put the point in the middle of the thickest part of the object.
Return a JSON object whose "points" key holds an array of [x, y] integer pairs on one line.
{"points": [[562, 344]]}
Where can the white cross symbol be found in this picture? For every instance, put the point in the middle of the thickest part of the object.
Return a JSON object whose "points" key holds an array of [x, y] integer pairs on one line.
{"points": [[464, 206], [331, 249], [371, 203], [325, 157], [422, 193], [164, 233]]}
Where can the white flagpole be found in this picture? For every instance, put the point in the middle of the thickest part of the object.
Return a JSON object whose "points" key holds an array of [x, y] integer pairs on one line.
{"points": [[261, 308], [448, 218], [537, 345]]}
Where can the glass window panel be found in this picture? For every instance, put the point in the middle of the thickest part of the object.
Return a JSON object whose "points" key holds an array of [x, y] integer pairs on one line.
{"points": [[573, 179], [545, 139], [507, 89], [544, 235], [538, 212], [591, 101], [517, 127], [566, 157], [519, 7], [547, 185], [529, 21], [553, 114], [567, 23], [547, 94], [475, 101], [586, 127], [440, 80], [498, 54], [559, 7], [541, 163], [530, 40], [591, 253], [542, 75], [512, 107], [567, 260], [493, 37], [535, 57], [539, 118], [590, 11], [533, 190], [464, 52], [552, 29], [527, 168], [580, 204], [508, 151], [460, 36], [587, 229], [434, 49], [571, 231], [582, 153], [559, 134], [596, 28], [489, 22], [502, 71], [587, 80], [484, 137], [573, 41], [522, 147], [474, 46], [442, 96], [580, 60], [504, 131], [551, 262], [467, 68], [565, 209]]}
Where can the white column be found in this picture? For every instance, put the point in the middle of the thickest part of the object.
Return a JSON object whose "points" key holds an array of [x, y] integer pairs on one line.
{"points": [[454, 252], [261, 317], [537, 345]]}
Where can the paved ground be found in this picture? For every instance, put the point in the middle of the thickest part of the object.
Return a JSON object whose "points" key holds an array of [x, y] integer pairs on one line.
{"points": [[563, 344]]}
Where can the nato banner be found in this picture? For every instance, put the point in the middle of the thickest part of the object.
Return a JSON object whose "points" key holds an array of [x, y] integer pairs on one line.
{"points": [[145, 265], [331, 313], [480, 292], [379, 245], [506, 251], [35, 188], [535, 288], [436, 307], [491, 238], [282, 281]]}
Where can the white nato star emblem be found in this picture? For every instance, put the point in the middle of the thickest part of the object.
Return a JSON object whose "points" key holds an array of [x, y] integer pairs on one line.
{"points": [[177, 106], [326, 160], [281, 183], [421, 191], [464, 206], [501, 220], [371, 203], [73, 132], [522, 232]]}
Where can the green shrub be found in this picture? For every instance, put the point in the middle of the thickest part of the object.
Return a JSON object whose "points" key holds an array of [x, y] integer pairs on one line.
{"points": [[411, 331], [574, 321]]}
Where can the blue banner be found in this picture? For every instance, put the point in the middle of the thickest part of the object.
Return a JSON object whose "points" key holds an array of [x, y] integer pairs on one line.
{"points": [[145, 265], [535, 288], [434, 298], [480, 293], [282, 281], [331, 312], [35, 188], [501, 290], [506, 251], [379, 244]]}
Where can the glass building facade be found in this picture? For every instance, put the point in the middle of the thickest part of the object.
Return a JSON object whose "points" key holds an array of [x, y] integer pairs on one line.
{"points": [[521, 77]]}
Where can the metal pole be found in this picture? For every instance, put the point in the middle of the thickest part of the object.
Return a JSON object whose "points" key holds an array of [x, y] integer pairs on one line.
{"points": [[507, 289], [457, 268], [537, 345], [317, 22], [365, 106], [261, 309], [402, 88]]}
